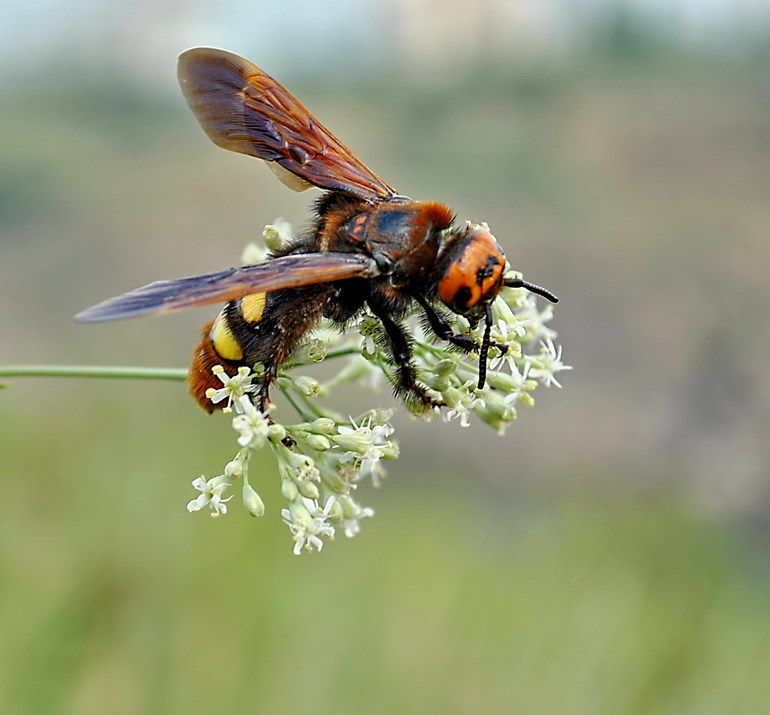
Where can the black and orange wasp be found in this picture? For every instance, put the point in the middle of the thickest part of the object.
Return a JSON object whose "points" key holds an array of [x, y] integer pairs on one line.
{"points": [[369, 247]]}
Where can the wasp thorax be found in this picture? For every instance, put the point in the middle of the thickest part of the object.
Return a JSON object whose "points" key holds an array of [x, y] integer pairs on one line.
{"points": [[473, 274]]}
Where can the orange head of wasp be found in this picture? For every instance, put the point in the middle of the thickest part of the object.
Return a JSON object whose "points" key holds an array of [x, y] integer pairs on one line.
{"points": [[471, 277], [472, 274]]}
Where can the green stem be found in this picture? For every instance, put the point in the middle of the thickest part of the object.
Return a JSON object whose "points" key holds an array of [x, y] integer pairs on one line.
{"points": [[132, 373], [290, 399], [318, 412], [340, 352]]}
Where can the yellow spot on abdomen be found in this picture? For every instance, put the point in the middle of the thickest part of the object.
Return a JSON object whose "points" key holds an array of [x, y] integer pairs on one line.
{"points": [[252, 307], [224, 341]]}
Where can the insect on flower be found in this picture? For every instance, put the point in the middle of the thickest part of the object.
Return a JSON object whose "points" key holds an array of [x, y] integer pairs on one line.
{"points": [[369, 248]]}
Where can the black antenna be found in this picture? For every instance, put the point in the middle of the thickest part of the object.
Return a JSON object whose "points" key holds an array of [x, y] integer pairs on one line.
{"points": [[521, 283], [484, 350]]}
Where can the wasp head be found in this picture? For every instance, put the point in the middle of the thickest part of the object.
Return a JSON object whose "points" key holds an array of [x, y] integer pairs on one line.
{"points": [[471, 272]]}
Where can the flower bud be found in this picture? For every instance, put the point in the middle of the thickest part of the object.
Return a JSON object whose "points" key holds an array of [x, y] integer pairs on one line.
{"points": [[252, 501], [235, 469], [358, 441], [276, 234], [308, 489], [253, 253], [312, 351], [289, 490], [317, 442], [306, 385], [276, 432], [439, 383], [495, 412], [323, 425]]}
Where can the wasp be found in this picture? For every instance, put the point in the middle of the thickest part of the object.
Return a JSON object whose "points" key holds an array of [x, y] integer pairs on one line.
{"points": [[369, 248]]}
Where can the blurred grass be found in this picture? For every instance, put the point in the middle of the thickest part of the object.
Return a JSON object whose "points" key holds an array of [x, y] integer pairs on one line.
{"points": [[115, 600], [583, 576]]}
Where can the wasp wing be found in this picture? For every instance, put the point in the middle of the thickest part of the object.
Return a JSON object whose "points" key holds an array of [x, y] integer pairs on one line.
{"points": [[286, 272], [245, 110]]}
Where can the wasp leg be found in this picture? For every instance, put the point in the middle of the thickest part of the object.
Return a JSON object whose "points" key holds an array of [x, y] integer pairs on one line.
{"points": [[405, 382], [263, 394], [443, 330]]}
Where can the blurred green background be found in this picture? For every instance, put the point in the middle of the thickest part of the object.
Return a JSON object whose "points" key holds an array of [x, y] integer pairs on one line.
{"points": [[608, 555]]}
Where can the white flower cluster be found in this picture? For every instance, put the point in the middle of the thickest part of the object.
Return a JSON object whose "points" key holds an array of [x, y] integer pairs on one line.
{"points": [[322, 459], [523, 355], [320, 463]]}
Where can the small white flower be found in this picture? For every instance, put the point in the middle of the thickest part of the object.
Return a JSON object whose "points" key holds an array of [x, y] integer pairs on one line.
{"points": [[352, 513], [461, 402], [339, 471], [251, 424], [507, 325], [519, 385], [536, 319], [301, 467], [379, 417], [362, 439], [233, 388], [307, 522], [211, 492], [547, 363], [365, 445], [369, 326]]}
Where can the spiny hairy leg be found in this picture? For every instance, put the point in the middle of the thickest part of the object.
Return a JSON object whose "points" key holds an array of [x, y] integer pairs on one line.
{"points": [[263, 398], [405, 383], [263, 394], [439, 325]]}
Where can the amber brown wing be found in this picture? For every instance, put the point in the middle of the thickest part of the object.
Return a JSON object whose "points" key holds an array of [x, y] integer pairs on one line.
{"points": [[245, 110], [285, 272]]}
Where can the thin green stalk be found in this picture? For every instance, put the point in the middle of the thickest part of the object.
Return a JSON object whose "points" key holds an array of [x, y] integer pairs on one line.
{"points": [[340, 352], [290, 398], [101, 371], [318, 412]]}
